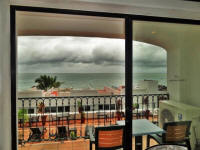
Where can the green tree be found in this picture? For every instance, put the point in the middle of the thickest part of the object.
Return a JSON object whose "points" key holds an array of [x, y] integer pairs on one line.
{"points": [[45, 82]]}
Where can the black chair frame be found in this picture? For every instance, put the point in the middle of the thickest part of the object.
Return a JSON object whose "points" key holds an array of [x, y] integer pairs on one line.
{"points": [[36, 135]]}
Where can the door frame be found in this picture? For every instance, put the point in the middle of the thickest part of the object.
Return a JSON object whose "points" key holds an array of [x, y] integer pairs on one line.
{"points": [[128, 19]]}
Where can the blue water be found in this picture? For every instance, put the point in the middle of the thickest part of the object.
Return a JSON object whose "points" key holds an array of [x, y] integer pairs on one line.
{"points": [[92, 80]]}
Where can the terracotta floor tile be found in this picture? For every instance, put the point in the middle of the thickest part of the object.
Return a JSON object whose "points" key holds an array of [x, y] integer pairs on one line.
{"points": [[79, 144]]}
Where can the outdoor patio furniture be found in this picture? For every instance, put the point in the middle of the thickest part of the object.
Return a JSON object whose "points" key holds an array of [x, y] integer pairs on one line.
{"points": [[36, 134], [176, 133], [61, 133], [141, 127], [167, 147], [107, 138]]}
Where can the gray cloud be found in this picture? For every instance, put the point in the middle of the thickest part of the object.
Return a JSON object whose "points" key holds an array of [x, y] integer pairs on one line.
{"points": [[81, 54], [149, 58]]}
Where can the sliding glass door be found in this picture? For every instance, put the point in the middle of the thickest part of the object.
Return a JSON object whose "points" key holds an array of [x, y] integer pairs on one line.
{"points": [[165, 61], [70, 76]]}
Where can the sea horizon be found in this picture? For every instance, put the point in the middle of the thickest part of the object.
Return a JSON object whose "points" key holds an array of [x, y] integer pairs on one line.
{"points": [[88, 80]]}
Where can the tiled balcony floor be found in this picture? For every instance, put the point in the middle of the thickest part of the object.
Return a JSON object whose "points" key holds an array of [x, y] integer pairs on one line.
{"points": [[79, 144]]}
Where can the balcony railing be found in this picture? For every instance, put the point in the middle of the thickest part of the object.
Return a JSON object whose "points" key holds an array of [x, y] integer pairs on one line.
{"points": [[49, 117]]}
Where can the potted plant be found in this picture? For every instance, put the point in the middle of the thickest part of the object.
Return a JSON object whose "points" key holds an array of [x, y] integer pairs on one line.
{"points": [[80, 107], [80, 110], [41, 110], [118, 108], [82, 117], [23, 116], [73, 135], [135, 106]]}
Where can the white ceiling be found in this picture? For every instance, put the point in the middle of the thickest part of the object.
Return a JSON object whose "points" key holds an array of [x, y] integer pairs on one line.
{"points": [[48, 24]]}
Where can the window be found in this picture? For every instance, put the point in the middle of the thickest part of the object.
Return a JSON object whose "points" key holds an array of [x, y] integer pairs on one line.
{"points": [[67, 108], [101, 107], [47, 109], [60, 109], [30, 111], [87, 108], [106, 107], [112, 106], [53, 109]]}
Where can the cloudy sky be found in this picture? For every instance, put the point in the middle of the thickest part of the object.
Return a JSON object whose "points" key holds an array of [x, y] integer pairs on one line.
{"points": [[38, 54]]}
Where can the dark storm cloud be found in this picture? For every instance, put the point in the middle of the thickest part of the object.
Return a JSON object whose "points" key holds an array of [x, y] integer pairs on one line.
{"points": [[149, 56], [78, 50], [109, 55], [99, 54]]}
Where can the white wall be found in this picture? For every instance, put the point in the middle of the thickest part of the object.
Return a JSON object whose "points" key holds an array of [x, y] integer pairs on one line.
{"points": [[173, 73], [184, 66], [190, 67], [5, 101]]}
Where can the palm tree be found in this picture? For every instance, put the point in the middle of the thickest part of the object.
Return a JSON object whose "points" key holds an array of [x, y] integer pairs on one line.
{"points": [[45, 82]]}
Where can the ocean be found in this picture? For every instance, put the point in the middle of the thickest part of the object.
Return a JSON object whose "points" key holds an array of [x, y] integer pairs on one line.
{"points": [[88, 80]]}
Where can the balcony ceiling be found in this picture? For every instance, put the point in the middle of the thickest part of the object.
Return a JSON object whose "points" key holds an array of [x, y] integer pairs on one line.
{"points": [[186, 9], [46, 24]]}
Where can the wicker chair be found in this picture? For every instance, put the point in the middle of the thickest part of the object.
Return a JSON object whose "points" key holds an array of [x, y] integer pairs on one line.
{"points": [[107, 138], [176, 133]]}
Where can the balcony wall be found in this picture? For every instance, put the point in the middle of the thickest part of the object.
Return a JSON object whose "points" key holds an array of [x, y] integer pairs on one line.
{"points": [[183, 59], [190, 61]]}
